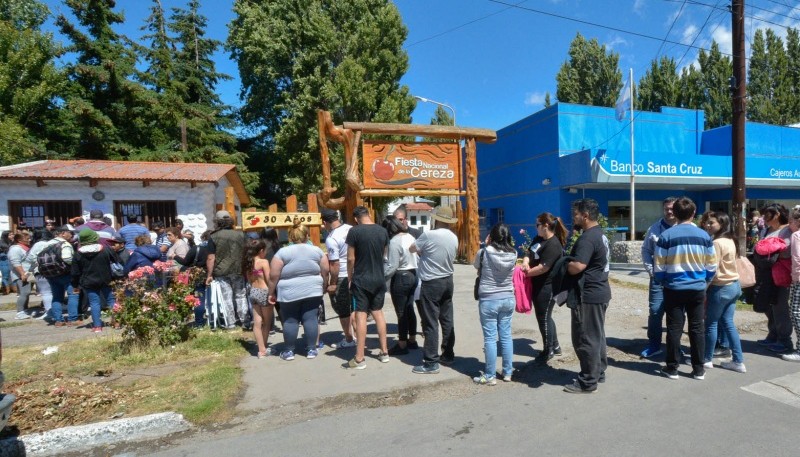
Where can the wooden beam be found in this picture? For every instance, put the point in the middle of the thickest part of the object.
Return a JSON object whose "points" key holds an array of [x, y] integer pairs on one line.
{"points": [[471, 224], [313, 231], [431, 131], [145, 183], [40, 183], [410, 193], [92, 182], [193, 184]]}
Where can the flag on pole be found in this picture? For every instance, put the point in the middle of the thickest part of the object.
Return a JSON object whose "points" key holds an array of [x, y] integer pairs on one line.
{"points": [[623, 101]]}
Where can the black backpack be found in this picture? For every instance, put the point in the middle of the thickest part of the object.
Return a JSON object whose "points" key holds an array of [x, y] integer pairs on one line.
{"points": [[50, 263]]}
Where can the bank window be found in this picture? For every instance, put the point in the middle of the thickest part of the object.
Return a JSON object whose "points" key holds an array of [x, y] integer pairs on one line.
{"points": [[413, 220]]}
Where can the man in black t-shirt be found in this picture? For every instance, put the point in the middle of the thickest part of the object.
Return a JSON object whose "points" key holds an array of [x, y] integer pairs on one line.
{"points": [[591, 255], [366, 248]]}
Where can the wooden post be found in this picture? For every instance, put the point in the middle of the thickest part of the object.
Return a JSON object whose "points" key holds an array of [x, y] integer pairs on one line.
{"points": [[273, 208], [230, 204], [291, 204], [473, 235], [313, 230]]}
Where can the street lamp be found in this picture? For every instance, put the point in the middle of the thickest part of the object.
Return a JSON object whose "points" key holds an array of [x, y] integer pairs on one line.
{"points": [[428, 100]]}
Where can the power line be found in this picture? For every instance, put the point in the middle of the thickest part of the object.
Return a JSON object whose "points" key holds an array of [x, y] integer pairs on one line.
{"points": [[727, 10], [791, 8], [602, 26], [699, 32], [461, 26], [674, 21]]}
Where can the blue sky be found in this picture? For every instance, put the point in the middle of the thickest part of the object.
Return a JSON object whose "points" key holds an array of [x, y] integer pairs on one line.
{"points": [[493, 61]]}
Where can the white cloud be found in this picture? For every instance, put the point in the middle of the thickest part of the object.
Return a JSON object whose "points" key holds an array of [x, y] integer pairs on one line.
{"points": [[534, 98], [638, 6], [689, 33], [724, 38], [615, 42]]}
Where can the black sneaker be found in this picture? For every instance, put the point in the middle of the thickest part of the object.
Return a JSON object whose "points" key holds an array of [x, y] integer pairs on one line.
{"points": [[426, 368], [557, 349], [670, 373], [397, 350], [447, 359], [412, 345], [575, 388], [699, 374]]}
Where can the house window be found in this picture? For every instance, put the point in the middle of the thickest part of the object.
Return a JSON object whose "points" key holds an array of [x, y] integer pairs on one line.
{"points": [[424, 220], [32, 214], [147, 211], [413, 220]]}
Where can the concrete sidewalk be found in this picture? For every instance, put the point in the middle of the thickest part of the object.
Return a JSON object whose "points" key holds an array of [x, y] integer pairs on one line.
{"points": [[272, 382]]}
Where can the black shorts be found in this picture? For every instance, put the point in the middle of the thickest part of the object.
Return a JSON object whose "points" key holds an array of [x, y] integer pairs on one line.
{"points": [[341, 301], [366, 300]]}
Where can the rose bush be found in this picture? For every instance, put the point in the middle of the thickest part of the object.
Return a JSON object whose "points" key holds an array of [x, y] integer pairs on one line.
{"points": [[152, 307]]}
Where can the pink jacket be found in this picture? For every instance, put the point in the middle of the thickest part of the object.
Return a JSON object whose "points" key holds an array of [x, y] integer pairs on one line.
{"points": [[795, 250], [523, 290]]}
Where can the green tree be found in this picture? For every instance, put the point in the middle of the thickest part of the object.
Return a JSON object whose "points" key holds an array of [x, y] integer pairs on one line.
{"points": [[716, 70], [29, 81], [442, 117], [768, 80], [793, 75], [659, 86], [547, 101], [590, 76], [297, 56], [107, 111]]}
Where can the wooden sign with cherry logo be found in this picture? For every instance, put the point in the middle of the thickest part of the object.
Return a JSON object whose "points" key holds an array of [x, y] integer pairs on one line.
{"points": [[411, 165]]}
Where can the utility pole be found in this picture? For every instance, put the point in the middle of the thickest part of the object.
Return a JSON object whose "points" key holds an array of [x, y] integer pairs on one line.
{"points": [[738, 92]]}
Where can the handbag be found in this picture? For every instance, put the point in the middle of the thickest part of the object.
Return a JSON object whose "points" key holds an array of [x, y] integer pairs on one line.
{"points": [[478, 279], [747, 272]]}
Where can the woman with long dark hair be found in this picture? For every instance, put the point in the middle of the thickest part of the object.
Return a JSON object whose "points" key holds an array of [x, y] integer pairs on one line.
{"points": [[545, 250], [496, 302], [722, 293], [401, 269], [255, 268], [771, 297]]}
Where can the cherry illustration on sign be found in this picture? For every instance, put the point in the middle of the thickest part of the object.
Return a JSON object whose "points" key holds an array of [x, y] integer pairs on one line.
{"points": [[383, 169]]}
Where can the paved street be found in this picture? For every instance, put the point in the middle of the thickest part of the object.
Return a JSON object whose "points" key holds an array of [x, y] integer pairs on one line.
{"points": [[313, 407]]}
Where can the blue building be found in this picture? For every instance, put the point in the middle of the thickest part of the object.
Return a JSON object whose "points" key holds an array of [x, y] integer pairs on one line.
{"points": [[567, 151]]}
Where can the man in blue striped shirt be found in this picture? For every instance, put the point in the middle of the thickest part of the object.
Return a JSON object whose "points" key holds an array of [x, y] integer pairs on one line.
{"points": [[684, 264]]}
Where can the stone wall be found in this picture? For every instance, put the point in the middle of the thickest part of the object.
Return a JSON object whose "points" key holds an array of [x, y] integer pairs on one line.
{"points": [[626, 252]]}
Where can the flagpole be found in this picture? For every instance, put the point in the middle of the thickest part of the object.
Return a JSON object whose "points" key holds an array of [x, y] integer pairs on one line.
{"points": [[633, 165]]}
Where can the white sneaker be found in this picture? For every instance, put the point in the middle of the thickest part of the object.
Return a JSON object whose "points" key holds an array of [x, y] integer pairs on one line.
{"points": [[708, 365], [738, 367], [793, 357], [344, 344], [22, 315]]}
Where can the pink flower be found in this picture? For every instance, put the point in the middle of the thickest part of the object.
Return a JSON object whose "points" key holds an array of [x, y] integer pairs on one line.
{"points": [[135, 274], [145, 309], [162, 266], [522, 231], [182, 278], [148, 270], [192, 300], [117, 308], [172, 308]]}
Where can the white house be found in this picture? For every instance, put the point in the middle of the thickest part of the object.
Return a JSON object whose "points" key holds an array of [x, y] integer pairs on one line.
{"points": [[62, 189], [419, 211]]}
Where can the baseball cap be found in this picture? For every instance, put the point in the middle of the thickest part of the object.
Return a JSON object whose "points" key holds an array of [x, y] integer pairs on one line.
{"points": [[222, 214]]}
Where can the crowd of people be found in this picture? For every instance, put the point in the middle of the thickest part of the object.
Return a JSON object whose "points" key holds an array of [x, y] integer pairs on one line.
{"points": [[693, 267]]}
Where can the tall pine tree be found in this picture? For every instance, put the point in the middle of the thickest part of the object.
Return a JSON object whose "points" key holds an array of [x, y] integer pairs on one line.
{"points": [[659, 86], [590, 76], [768, 81], [297, 56]]}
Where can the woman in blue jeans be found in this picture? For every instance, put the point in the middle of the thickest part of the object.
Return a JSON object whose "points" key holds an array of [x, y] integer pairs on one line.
{"points": [[722, 294], [495, 263], [91, 273]]}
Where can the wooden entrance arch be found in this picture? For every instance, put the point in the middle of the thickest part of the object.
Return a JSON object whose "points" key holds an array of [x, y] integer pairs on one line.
{"points": [[350, 136]]}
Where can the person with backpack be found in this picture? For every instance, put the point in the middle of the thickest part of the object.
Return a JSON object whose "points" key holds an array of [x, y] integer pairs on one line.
{"points": [[55, 265], [41, 283], [91, 272]]}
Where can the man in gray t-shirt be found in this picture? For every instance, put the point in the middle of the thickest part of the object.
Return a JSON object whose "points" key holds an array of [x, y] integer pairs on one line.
{"points": [[437, 252]]}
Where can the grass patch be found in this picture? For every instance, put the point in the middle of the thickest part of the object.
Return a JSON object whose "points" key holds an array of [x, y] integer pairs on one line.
{"points": [[743, 306], [10, 306], [629, 285], [91, 380], [10, 324]]}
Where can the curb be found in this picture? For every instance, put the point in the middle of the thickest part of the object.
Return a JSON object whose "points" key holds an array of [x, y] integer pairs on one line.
{"points": [[89, 436]]}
